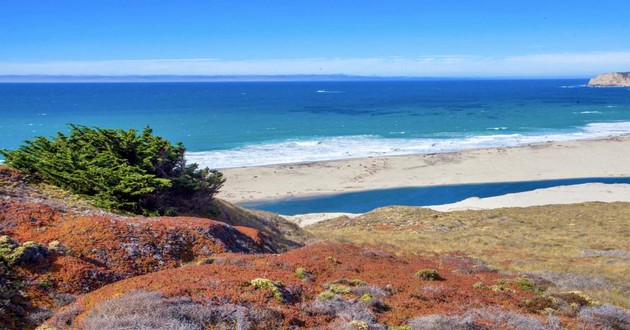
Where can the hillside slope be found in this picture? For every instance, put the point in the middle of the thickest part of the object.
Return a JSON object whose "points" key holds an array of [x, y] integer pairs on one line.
{"points": [[71, 266], [579, 247], [328, 286], [53, 244]]}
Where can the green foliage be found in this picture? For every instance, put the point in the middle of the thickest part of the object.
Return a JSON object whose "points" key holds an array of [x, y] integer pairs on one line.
{"points": [[119, 170], [7, 246], [524, 283], [429, 275], [339, 289], [500, 288], [353, 282], [46, 284], [274, 287], [12, 253], [303, 274], [326, 295], [357, 282], [13, 303]]}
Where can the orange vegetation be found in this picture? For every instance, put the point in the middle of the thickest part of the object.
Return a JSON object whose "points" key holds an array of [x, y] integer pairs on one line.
{"points": [[387, 278], [220, 272]]}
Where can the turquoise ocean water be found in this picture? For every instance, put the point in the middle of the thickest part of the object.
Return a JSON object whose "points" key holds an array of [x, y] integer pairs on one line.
{"points": [[246, 124], [254, 123]]}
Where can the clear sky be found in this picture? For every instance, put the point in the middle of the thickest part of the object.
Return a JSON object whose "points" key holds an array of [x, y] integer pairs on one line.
{"points": [[467, 38]]}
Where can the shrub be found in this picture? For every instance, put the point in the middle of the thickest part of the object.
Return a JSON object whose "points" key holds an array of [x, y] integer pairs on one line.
{"points": [[303, 274], [206, 261], [12, 253], [7, 246], [119, 170], [326, 295], [346, 311], [606, 317], [442, 322], [353, 282], [539, 304], [332, 260], [360, 325], [339, 289], [525, 284], [429, 275], [582, 297], [13, 303], [57, 247], [500, 288], [371, 290], [45, 283], [486, 318], [150, 310], [274, 287], [357, 282]]}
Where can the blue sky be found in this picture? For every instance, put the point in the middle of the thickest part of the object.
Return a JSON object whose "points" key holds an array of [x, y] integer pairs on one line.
{"points": [[480, 38]]}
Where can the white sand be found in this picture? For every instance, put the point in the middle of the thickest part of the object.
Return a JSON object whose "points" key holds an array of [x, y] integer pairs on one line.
{"points": [[589, 192], [552, 160], [311, 218]]}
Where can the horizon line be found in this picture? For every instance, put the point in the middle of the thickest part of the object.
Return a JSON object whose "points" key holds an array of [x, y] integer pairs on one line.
{"points": [[552, 65], [157, 78]]}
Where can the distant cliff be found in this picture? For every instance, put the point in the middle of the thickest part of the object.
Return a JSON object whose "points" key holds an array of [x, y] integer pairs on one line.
{"points": [[617, 79]]}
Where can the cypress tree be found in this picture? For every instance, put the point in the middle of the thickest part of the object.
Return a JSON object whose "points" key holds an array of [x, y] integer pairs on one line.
{"points": [[123, 170]]}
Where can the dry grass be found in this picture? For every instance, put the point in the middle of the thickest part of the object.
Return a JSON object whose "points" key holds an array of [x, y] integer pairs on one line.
{"points": [[579, 247]]}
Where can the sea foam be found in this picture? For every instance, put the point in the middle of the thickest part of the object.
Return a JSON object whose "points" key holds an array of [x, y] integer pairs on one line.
{"points": [[345, 147]]}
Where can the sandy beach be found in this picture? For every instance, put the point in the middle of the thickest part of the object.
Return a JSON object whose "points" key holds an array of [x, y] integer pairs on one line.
{"points": [[551, 160], [590, 192]]}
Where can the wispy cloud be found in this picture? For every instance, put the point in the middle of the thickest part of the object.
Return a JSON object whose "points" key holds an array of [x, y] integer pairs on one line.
{"points": [[541, 65]]}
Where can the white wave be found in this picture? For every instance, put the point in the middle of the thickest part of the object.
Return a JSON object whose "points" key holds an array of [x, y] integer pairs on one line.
{"points": [[590, 112], [334, 148], [329, 92], [496, 128]]}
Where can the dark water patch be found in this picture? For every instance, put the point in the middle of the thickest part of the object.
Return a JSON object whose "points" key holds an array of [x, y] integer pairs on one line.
{"points": [[364, 201]]}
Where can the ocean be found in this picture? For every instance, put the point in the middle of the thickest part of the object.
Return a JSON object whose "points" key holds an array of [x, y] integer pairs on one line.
{"points": [[235, 124]]}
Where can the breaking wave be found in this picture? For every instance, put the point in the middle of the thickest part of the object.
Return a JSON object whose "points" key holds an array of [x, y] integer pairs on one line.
{"points": [[344, 147]]}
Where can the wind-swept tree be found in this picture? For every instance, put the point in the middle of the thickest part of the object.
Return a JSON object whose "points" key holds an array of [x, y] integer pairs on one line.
{"points": [[129, 171]]}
